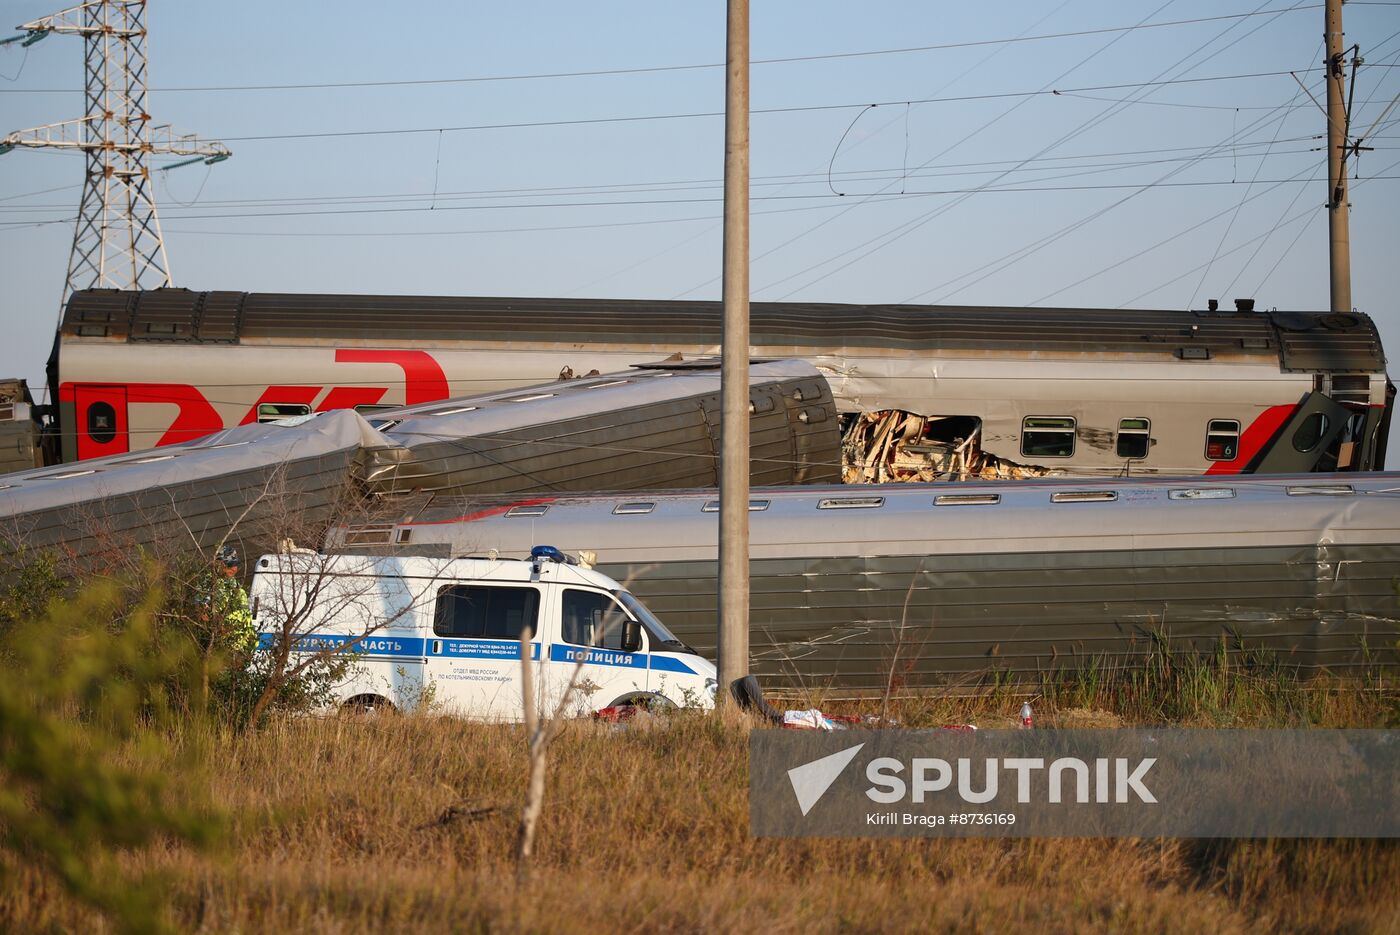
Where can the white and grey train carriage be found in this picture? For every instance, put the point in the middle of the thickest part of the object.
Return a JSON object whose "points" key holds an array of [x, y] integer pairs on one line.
{"points": [[857, 587], [928, 392]]}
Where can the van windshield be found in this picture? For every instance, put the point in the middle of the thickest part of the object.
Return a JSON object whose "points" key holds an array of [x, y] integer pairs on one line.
{"points": [[640, 611]]}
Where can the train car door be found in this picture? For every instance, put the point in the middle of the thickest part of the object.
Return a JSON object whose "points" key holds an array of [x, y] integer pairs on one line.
{"points": [[100, 415], [1305, 438]]}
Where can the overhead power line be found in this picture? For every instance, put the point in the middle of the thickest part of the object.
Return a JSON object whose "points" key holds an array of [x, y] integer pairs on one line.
{"points": [[808, 108], [831, 202], [826, 268], [1193, 154], [655, 69]]}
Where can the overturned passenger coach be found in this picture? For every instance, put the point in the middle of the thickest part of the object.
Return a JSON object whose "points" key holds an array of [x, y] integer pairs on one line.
{"points": [[257, 484], [859, 588]]}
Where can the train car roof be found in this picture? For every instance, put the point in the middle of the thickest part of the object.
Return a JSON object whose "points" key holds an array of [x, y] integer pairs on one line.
{"points": [[823, 522], [1300, 341]]}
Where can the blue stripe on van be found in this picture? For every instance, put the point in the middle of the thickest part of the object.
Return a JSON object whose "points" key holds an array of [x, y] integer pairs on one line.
{"points": [[660, 663], [406, 646], [372, 645], [597, 657]]}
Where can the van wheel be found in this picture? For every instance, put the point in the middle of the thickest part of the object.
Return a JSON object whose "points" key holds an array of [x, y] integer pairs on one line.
{"points": [[368, 705], [650, 702]]}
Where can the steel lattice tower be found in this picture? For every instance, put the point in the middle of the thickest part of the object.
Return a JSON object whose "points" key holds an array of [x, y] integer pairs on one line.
{"points": [[117, 243]]}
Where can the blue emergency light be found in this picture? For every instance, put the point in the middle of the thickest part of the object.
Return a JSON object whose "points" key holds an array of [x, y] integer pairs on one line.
{"points": [[552, 554]]}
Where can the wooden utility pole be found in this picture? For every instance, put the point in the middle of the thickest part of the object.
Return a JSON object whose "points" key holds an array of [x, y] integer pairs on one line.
{"points": [[1339, 241], [734, 372]]}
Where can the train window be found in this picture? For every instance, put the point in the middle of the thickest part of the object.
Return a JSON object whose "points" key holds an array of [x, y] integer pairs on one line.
{"points": [[635, 506], [369, 534], [272, 412], [1047, 436], [1222, 440], [1201, 493], [147, 459], [101, 422], [1321, 490], [1134, 437], [65, 475], [966, 499], [851, 503], [530, 509], [369, 410], [755, 506], [1310, 433], [1084, 496]]}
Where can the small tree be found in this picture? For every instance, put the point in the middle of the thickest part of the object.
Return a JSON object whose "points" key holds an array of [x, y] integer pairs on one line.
{"points": [[79, 686], [319, 610]]}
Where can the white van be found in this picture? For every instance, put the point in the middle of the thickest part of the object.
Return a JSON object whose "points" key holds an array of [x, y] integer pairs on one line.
{"points": [[448, 630]]}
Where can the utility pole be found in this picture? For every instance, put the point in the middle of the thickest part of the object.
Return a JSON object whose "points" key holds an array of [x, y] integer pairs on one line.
{"points": [[117, 243], [734, 369], [1339, 242]]}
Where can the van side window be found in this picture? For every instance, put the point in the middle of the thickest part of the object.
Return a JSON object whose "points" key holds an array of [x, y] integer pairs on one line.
{"points": [[1222, 440], [1047, 437], [485, 613], [591, 619]]}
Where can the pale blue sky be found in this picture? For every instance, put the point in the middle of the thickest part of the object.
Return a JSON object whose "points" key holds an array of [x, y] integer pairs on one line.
{"points": [[631, 208]]}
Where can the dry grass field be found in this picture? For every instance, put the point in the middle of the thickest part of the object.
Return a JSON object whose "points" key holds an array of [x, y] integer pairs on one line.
{"points": [[393, 823]]}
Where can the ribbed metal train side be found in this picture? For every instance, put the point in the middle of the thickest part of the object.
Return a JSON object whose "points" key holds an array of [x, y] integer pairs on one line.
{"points": [[248, 488], [640, 429], [850, 625]]}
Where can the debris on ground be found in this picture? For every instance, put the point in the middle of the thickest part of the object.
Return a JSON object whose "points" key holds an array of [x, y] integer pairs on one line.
{"points": [[813, 719]]}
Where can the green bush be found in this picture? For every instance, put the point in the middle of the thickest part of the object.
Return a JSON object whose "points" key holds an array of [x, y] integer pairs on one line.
{"points": [[87, 690]]}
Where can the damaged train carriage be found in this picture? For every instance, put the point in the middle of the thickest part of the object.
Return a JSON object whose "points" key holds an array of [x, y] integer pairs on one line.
{"points": [[858, 588], [254, 485], [925, 392]]}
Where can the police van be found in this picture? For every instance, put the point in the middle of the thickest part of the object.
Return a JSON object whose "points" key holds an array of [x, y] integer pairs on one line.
{"points": [[448, 632]]}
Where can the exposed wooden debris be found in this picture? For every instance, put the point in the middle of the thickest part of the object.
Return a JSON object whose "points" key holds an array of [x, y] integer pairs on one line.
{"points": [[893, 446]]}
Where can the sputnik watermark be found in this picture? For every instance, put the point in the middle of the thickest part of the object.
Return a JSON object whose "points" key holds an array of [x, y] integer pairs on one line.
{"points": [[929, 775], [1175, 783]]}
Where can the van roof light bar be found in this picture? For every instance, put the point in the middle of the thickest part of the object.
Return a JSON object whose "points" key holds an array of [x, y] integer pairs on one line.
{"points": [[550, 553]]}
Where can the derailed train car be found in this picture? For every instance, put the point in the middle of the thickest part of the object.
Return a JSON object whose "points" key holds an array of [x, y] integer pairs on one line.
{"points": [[644, 428], [858, 588], [259, 483], [925, 392]]}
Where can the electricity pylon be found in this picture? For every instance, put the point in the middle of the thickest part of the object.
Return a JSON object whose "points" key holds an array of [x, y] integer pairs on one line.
{"points": [[117, 243]]}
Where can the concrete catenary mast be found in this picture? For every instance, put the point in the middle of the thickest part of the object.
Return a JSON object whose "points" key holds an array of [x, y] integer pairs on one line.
{"points": [[1338, 144], [733, 643]]}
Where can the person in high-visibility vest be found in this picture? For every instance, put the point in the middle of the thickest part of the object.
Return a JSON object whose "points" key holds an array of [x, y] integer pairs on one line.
{"points": [[230, 604]]}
